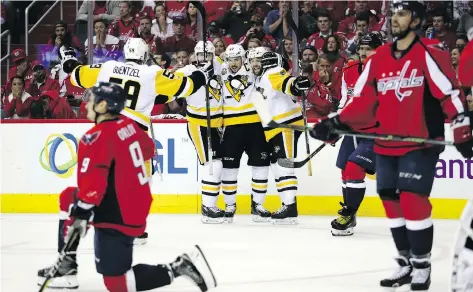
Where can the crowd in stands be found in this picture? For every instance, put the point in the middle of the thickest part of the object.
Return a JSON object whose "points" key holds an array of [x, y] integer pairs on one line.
{"points": [[329, 30]]}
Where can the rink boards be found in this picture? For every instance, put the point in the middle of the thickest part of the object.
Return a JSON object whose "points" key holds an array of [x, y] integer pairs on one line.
{"points": [[39, 160]]}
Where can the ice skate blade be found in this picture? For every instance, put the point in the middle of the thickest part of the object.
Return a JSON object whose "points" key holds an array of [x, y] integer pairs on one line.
{"points": [[259, 219], [285, 221], [229, 219], [346, 232], [64, 282], [140, 241], [209, 220], [198, 259]]}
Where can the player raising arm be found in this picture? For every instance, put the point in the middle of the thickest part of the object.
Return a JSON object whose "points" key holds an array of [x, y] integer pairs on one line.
{"points": [[408, 85], [113, 194]]}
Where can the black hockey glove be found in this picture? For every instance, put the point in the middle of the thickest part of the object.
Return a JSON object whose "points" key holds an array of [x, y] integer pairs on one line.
{"points": [[324, 129], [299, 85], [68, 59], [82, 214], [208, 70]]}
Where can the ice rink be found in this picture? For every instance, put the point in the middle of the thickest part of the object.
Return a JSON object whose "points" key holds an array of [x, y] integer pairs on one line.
{"points": [[244, 256]]}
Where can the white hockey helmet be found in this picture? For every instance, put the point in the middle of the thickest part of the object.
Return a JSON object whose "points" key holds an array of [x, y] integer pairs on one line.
{"points": [[234, 51], [209, 47], [136, 49], [256, 53]]}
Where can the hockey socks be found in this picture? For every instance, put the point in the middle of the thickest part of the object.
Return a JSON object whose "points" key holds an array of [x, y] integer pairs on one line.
{"points": [[259, 183], [355, 186], [229, 185], [420, 230], [286, 183], [211, 183]]}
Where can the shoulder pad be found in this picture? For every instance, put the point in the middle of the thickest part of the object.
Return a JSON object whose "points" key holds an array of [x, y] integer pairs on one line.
{"points": [[350, 65]]}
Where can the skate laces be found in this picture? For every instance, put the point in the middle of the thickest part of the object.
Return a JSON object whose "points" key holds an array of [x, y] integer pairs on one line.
{"points": [[282, 209], [230, 208], [420, 275], [342, 219], [260, 208], [401, 270]]}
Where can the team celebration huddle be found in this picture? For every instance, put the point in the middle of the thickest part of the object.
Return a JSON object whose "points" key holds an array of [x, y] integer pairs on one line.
{"points": [[389, 121]]}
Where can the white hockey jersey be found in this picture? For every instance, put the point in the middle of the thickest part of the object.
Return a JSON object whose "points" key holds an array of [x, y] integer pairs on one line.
{"points": [[275, 86], [237, 88], [142, 85], [196, 103]]}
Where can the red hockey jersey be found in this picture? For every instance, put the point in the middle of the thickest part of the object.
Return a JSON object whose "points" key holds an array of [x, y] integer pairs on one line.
{"points": [[465, 68], [408, 92], [112, 175]]}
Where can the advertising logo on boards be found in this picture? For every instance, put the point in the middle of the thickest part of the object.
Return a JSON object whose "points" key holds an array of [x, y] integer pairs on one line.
{"points": [[59, 155]]}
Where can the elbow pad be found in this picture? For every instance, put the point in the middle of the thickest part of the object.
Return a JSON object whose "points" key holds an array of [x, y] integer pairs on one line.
{"points": [[199, 80], [69, 65]]}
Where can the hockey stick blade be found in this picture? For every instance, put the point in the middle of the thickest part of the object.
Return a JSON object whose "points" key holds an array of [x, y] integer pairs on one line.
{"points": [[273, 124], [290, 163]]}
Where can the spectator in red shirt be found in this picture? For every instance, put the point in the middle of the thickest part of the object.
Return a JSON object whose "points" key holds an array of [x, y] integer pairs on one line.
{"points": [[41, 82], [125, 26], [21, 67], [162, 24], [104, 10], [325, 75], [440, 31], [257, 31], [324, 23], [348, 25], [146, 35], [309, 58], [140, 10], [63, 37], [53, 107], [191, 29], [332, 49], [216, 9], [17, 104], [106, 47], [319, 100], [178, 7], [179, 40]]}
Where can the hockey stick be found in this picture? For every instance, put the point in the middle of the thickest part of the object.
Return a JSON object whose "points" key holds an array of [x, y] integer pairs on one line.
{"points": [[291, 163], [62, 255], [273, 124], [295, 69], [199, 6]]}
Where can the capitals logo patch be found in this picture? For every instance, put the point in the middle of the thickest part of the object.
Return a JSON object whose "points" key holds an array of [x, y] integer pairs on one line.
{"points": [[89, 139]]}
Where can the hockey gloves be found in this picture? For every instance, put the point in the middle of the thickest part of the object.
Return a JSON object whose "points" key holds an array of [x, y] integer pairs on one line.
{"points": [[300, 85], [462, 136], [324, 128], [68, 59], [82, 214], [208, 70]]}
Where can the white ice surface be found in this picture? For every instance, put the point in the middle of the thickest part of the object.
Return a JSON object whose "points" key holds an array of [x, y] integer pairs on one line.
{"points": [[245, 256]]}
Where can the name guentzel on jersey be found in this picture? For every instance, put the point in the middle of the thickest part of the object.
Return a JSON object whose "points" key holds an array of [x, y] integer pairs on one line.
{"points": [[126, 71]]}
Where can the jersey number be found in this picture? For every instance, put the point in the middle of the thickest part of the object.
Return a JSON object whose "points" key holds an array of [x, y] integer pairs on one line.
{"points": [[136, 157], [132, 90]]}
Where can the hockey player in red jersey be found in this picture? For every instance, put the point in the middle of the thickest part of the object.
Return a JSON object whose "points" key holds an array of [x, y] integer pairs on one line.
{"points": [[114, 196], [465, 67], [355, 157], [409, 86]]}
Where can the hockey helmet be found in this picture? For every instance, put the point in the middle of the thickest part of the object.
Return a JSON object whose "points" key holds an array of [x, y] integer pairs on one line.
{"points": [[256, 53], [234, 51], [416, 7], [370, 39], [209, 47], [136, 49], [271, 60], [112, 93]]}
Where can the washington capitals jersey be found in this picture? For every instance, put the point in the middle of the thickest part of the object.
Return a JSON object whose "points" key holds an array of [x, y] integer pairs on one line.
{"points": [[142, 84], [237, 106], [465, 67], [275, 86], [351, 73], [408, 92], [196, 103]]}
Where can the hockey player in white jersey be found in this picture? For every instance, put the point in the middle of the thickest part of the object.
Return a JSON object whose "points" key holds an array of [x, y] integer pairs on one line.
{"points": [[197, 130], [144, 85], [243, 133], [276, 89]]}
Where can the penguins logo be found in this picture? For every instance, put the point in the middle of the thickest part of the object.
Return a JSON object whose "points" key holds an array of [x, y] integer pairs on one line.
{"points": [[236, 85], [215, 86]]}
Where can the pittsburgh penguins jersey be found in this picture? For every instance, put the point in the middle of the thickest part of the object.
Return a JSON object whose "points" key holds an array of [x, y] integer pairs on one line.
{"points": [[237, 106], [275, 86], [196, 103], [142, 85]]}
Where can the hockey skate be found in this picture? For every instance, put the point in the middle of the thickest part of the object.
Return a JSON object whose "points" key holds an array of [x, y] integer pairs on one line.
{"points": [[343, 225], [230, 211], [259, 213], [341, 210], [420, 274], [65, 278], [286, 215], [195, 267], [212, 215], [401, 276], [142, 239]]}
